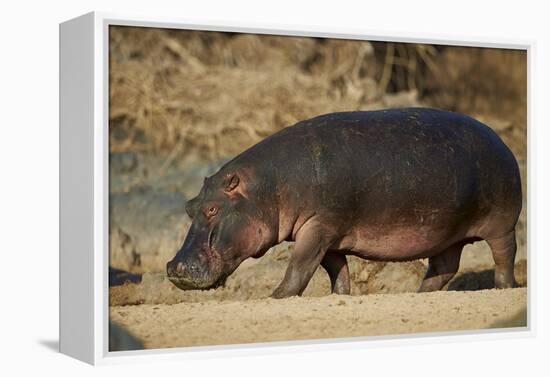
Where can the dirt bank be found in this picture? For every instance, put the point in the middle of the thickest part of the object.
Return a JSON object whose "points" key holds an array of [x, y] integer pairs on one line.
{"points": [[333, 316]]}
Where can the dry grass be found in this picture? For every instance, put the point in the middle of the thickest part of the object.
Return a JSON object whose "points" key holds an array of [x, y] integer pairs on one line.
{"points": [[213, 94], [208, 95], [485, 81]]}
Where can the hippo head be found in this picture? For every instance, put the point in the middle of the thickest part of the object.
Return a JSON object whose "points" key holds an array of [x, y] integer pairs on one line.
{"points": [[228, 227]]}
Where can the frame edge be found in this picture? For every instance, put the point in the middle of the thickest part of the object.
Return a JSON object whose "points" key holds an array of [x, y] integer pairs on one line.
{"points": [[76, 182]]}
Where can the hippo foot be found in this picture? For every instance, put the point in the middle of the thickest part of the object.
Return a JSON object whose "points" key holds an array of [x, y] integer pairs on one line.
{"points": [[281, 293], [504, 282], [504, 253]]}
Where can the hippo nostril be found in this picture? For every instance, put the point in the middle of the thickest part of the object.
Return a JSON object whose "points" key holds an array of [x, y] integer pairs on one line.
{"points": [[191, 268], [179, 268]]}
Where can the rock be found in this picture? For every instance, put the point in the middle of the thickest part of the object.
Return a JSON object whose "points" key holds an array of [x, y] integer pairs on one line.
{"points": [[397, 278], [363, 276], [385, 277], [132, 171], [123, 162], [146, 229]]}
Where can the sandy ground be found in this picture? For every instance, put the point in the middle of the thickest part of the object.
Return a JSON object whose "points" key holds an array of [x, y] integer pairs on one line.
{"points": [[382, 302], [333, 316]]}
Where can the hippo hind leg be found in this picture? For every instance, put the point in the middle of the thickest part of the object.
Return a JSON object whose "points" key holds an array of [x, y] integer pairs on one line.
{"points": [[336, 266], [442, 268], [504, 253]]}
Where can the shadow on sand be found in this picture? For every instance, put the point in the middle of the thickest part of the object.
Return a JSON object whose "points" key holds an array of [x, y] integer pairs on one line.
{"points": [[485, 279]]}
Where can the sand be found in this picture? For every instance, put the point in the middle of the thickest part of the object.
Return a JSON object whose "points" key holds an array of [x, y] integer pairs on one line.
{"points": [[328, 317], [383, 301]]}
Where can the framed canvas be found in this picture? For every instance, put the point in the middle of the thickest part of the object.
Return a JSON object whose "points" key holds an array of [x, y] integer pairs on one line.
{"points": [[242, 189]]}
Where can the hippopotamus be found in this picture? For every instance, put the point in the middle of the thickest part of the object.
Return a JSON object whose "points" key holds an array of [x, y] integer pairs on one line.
{"points": [[388, 185]]}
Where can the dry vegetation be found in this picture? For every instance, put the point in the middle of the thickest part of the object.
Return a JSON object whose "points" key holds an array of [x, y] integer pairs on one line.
{"points": [[213, 94]]}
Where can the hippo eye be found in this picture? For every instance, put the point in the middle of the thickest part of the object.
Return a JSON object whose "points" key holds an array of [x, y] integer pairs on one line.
{"points": [[212, 211]]}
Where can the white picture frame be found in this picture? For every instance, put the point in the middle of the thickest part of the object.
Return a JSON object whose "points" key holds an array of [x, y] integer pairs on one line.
{"points": [[84, 190]]}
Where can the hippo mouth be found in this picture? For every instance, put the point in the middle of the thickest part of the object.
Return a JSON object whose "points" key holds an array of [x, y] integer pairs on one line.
{"points": [[188, 284]]}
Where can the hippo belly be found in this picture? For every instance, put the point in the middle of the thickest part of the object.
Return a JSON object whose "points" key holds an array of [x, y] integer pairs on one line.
{"points": [[399, 244]]}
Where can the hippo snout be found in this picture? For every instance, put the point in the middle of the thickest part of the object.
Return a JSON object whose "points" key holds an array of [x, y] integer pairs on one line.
{"points": [[178, 273], [188, 275], [174, 268], [181, 269]]}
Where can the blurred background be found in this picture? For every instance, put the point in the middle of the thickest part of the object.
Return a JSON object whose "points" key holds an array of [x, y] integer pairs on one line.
{"points": [[184, 102], [187, 93]]}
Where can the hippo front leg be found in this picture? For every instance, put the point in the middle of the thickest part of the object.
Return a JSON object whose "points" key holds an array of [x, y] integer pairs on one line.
{"points": [[310, 248]]}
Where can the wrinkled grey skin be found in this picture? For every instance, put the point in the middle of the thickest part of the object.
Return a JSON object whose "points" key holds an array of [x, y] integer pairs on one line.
{"points": [[392, 185]]}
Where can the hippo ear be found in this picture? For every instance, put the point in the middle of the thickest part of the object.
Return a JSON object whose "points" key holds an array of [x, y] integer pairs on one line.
{"points": [[230, 182]]}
